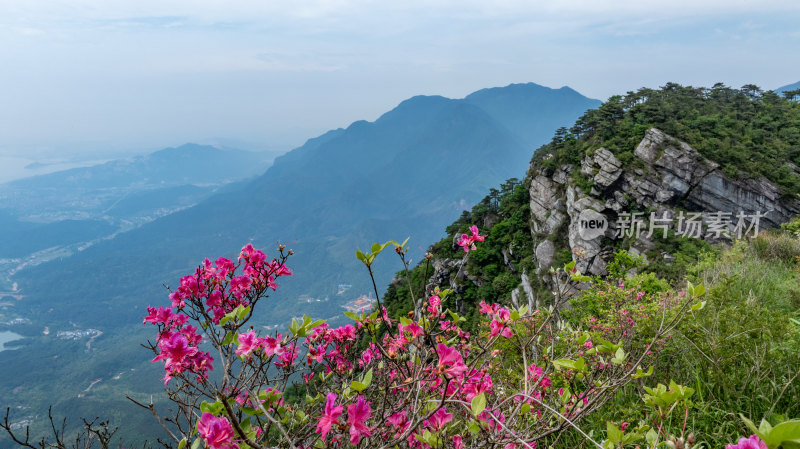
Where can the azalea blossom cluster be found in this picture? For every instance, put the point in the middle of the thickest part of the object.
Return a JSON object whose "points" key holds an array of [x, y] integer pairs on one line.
{"points": [[178, 344], [467, 241], [500, 316], [419, 381], [214, 290]]}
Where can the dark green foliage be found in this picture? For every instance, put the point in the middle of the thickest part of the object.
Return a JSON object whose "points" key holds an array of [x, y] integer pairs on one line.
{"points": [[671, 256], [739, 352], [504, 217], [748, 132]]}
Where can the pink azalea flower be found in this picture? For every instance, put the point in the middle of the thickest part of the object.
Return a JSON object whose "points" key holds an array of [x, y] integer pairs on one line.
{"points": [[398, 420], [240, 286], [287, 357], [413, 328], [434, 303], [214, 299], [331, 416], [175, 348], [475, 236], [271, 345], [450, 361], [248, 342], [344, 333], [485, 308], [357, 415], [458, 442], [217, 432], [753, 442], [158, 316], [503, 314], [468, 241], [439, 419]]}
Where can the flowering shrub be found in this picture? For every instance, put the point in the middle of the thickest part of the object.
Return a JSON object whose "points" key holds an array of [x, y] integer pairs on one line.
{"points": [[420, 381]]}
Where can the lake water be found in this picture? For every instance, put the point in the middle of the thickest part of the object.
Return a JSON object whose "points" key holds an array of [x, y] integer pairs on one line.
{"points": [[7, 336]]}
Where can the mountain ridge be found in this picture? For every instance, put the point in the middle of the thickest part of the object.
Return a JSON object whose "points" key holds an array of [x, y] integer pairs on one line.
{"points": [[337, 192]]}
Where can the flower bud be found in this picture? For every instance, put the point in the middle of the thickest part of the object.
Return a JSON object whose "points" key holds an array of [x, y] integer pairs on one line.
{"points": [[691, 440]]}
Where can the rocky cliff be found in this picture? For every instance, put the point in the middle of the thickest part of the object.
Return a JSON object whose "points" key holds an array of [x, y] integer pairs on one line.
{"points": [[669, 188], [667, 192], [667, 174]]}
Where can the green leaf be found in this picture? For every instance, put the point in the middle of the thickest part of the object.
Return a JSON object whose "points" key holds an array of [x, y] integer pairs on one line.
{"points": [[358, 386], [619, 357], [699, 306], [577, 365], [699, 290], [242, 312], [613, 433], [764, 427], [214, 408], [197, 443], [360, 255], [525, 408], [352, 316], [639, 373], [367, 380], [651, 438], [787, 431], [478, 404], [250, 411], [182, 444]]}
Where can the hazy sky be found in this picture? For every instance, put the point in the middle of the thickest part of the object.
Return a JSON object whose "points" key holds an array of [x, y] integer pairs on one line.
{"points": [[113, 76]]}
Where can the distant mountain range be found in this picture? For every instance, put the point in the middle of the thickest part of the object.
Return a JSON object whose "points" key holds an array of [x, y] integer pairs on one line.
{"points": [[76, 206], [92, 191], [409, 173], [186, 164], [788, 87]]}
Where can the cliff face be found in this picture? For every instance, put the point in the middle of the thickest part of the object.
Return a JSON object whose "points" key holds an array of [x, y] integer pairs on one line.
{"points": [[668, 186], [666, 194], [663, 173]]}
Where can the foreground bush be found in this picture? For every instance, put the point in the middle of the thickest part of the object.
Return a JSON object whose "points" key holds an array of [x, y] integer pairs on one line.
{"points": [[420, 381], [523, 379]]}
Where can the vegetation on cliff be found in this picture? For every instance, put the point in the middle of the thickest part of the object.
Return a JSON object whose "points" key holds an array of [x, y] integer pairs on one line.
{"points": [[748, 131]]}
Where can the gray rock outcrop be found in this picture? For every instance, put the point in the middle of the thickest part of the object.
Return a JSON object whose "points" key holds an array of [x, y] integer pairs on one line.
{"points": [[672, 177]]}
